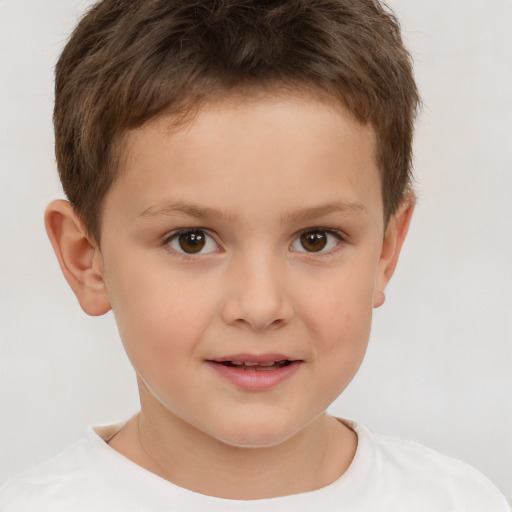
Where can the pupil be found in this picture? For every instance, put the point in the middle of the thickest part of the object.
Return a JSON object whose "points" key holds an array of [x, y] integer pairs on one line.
{"points": [[313, 241], [192, 242]]}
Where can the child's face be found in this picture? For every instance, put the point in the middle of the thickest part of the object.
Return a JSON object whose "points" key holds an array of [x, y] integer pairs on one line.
{"points": [[255, 235]]}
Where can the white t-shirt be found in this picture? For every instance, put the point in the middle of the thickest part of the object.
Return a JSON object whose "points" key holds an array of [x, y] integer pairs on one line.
{"points": [[386, 475]]}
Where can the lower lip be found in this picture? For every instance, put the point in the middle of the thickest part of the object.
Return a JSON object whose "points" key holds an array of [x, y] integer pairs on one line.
{"points": [[255, 380]]}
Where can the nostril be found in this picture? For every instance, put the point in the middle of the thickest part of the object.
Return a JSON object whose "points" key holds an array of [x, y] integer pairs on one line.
{"points": [[257, 300], [260, 324]]}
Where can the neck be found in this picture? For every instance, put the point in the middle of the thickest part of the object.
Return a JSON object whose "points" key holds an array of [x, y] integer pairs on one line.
{"points": [[169, 447]]}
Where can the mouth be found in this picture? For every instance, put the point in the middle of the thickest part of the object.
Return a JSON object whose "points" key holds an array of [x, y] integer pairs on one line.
{"points": [[255, 366], [255, 373]]}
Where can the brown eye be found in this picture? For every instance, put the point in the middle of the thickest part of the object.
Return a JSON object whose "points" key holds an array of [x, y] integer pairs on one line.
{"points": [[192, 241], [317, 240], [313, 241]]}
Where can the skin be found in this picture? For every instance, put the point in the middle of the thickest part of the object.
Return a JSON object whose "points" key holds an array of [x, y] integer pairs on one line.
{"points": [[254, 174]]}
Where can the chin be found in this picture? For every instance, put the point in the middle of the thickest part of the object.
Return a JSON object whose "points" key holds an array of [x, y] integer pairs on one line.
{"points": [[254, 434]]}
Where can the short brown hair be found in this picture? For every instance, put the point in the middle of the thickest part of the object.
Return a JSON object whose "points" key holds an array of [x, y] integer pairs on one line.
{"points": [[129, 61]]}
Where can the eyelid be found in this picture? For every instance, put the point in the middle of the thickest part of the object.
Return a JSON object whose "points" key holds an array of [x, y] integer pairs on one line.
{"points": [[173, 235], [341, 237]]}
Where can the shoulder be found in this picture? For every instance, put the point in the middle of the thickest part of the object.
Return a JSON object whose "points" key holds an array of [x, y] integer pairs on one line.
{"points": [[413, 470], [58, 483], [46, 479]]}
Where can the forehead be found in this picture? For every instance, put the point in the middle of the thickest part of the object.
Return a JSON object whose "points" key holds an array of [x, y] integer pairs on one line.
{"points": [[261, 152]]}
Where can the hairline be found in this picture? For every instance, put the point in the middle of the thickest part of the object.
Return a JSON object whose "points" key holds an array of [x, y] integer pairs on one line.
{"points": [[179, 117]]}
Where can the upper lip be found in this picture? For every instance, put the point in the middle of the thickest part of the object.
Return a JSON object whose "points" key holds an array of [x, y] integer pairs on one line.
{"points": [[253, 358]]}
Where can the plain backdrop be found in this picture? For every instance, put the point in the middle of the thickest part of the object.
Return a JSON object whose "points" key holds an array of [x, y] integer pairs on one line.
{"points": [[439, 366]]}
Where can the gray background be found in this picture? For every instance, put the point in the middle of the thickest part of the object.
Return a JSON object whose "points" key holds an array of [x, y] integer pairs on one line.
{"points": [[439, 365]]}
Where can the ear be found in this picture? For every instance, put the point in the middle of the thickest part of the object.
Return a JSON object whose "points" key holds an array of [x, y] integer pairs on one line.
{"points": [[394, 237], [79, 257]]}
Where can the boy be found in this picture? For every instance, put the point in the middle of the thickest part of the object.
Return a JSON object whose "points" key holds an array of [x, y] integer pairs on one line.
{"points": [[238, 177]]}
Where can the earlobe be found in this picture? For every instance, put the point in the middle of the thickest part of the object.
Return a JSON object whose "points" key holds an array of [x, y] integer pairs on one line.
{"points": [[79, 258], [379, 297], [396, 231]]}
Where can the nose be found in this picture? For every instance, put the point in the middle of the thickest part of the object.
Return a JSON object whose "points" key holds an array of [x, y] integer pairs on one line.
{"points": [[257, 297]]}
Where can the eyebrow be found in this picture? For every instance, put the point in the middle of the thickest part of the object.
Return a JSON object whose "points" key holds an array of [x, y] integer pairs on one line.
{"points": [[314, 212], [192, 210], [201, 212]]}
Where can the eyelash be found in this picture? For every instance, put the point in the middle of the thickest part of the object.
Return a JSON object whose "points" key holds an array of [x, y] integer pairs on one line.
{"points": [[340, 238], [190, 256], [177, 233]]}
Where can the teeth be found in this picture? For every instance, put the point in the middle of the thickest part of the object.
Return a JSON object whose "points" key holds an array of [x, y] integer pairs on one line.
{"points": [[251, 364], [266, 368], [255, 365]]}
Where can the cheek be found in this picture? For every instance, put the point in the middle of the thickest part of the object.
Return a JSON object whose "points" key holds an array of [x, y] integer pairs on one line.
{"points": [[158, 315], [338, 315], [341, 298]]}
